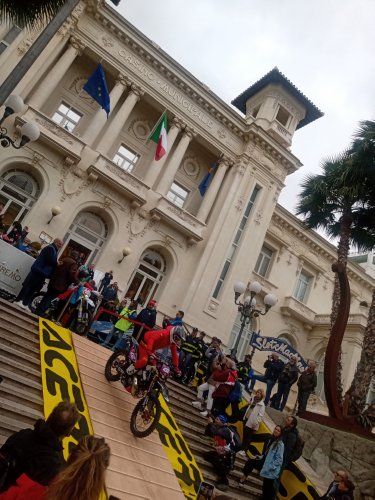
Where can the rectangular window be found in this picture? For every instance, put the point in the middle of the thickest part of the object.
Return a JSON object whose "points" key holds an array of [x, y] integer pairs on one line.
{"points": [[66, 117], [177, 194], [303, 285], [126, 158], [283, 116], [264, 261], [9, 37], [236, 240], [255, 111]]}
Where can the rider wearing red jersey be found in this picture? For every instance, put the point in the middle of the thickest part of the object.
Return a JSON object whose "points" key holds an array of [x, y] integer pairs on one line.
{"points": [[172, 337]]}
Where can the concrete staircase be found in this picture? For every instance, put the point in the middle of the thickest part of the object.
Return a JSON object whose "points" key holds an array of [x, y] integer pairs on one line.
{"points": [[192, 426], [21, 403], [21, 400]]}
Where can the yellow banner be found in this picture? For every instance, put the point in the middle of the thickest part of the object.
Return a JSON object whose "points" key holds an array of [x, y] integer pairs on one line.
{"points": [[178, 453], [61, 379]]}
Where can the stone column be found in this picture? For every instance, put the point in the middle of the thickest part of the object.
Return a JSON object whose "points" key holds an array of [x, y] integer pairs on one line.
{"points": [[156, 166], [119, 119], [50, 81], [171, 170], [210, 196], [99, 119]]}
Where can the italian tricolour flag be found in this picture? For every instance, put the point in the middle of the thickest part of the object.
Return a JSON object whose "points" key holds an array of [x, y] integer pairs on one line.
{"points": [[159, 136]]}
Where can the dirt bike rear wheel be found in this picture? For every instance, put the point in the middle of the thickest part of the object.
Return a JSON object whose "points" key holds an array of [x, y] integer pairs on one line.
{"points": [[147, 415], [110, 371], [35, 301]]}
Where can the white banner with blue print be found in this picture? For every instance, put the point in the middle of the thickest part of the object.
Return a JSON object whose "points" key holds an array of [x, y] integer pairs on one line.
{"points": [[277, 345]]}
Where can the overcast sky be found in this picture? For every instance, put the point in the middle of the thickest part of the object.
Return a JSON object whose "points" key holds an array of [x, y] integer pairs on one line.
{"points": [[325, 47]]}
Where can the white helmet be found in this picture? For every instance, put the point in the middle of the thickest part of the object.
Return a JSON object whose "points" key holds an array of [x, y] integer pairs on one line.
{"points": [[177, 334]]}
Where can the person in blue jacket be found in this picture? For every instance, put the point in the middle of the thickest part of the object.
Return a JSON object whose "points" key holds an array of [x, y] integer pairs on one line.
{"points": [[147, 317], [273, 461], [43, 268]]}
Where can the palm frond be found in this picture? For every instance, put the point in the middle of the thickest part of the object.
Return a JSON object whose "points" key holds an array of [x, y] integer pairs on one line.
{"points": [[28, 13]]}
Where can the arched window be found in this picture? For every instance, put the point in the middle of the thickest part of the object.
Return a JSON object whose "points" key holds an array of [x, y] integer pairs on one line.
{"points": [[146, 279], [18, 193], [87, 234]]}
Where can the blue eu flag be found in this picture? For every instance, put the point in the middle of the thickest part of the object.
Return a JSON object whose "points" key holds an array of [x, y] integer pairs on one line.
{"points": [[96, 87], [206, 181]]}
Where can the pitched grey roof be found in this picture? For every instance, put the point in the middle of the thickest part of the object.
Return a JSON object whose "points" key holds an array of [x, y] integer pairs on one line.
{"points": [[275, 76]]}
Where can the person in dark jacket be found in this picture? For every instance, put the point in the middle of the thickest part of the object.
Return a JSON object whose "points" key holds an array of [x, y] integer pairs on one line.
{"points": [[65, 275], [222, 457], [244, 370], [43, 268], [38, 452], [108, 277], [186, 352], [287, 378], [290, 435], [274, 366], [306, 385], [110, 294], [339, 476], [147, 317], [345, 491]]}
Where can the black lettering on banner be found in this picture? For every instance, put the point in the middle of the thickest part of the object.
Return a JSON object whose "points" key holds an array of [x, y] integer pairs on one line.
{"points": [[77, 398], [51, 355], [184, 447], [82, 430], [58, 343], [163, 433], [53, 380], [193, 479]]}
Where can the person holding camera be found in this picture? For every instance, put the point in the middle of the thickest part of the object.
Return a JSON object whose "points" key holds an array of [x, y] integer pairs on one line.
{"points": [[274, 366], [287, 378]]}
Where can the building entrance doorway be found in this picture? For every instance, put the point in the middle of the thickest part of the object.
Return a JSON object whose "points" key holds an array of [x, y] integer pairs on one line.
{"points": [[87, 235], [146, 279]]}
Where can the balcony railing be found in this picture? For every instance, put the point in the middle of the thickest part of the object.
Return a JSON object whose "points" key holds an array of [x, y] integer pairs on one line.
{"points": [[119, 179], [52, 134], [179, 218]]}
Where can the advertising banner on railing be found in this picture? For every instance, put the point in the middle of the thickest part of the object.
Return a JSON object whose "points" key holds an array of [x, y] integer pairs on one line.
{"points": [[277, 345], [14, 267]]}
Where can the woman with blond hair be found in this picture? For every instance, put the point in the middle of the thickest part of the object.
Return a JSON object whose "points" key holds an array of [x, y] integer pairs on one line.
{"points": [[84, 476], [252, 419]]}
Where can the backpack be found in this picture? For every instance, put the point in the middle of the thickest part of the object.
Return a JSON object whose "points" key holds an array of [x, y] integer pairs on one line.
{"points": [[236, 444], [298, 448], [235, 395]]}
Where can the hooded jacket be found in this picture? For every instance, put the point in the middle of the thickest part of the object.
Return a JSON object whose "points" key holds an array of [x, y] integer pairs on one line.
{"points": [[36, 452]]}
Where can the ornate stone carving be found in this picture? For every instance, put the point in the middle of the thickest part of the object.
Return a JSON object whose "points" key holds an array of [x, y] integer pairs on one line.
{"points": [[221, 133], [55, 129], [107, 41], [140, 128], [181, 214], [241, 169], [27, 42], [190, 166], [212, 306], [71, 21], [78, 44], [239, 203], [189, 132], [37, 158], [139, 223], [122, 174], [136, 90], [73, 180], [258, 217], [177, 122]]}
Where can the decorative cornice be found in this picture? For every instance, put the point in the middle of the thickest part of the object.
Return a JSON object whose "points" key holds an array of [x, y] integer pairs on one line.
{"points": [[78, 44]]}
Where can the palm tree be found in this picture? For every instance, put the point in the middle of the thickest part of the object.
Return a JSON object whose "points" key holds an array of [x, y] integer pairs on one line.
{"points": [[27, 13], [363, 152], [330, 202]]}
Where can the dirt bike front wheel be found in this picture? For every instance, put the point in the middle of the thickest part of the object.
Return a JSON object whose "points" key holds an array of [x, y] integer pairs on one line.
{"points": [[145, 416], [111, 371]]}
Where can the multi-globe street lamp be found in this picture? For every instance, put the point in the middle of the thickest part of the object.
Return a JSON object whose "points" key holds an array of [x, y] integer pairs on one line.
{"points": [[29, 131], [248, 306]]}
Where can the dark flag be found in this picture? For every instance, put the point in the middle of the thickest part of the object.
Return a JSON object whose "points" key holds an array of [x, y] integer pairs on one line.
{"points": [[96, 87], [206, 181]]}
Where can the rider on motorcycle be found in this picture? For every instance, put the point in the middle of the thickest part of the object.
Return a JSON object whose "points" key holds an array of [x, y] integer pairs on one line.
{"points": [[172, 337]]}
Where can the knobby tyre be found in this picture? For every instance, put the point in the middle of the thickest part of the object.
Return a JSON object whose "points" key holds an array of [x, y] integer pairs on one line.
{"points": [[110, 371], [151, 413]]}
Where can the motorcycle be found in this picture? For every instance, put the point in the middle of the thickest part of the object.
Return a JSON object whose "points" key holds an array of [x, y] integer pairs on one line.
{"points": [[146, 385]]}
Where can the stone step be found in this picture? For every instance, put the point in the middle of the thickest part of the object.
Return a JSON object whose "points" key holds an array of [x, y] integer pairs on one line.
{"points": [[31, 360], [17, 379], [18, 312], [10, 425], [11, 365], [19, 393], [22, 415], [24, 336]]}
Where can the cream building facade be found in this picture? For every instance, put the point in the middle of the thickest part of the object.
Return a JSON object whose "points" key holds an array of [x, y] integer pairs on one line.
{"points": [[186, 250]]}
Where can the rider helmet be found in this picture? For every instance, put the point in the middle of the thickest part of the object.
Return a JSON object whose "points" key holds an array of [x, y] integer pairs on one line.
{"points": [[177, 334]]}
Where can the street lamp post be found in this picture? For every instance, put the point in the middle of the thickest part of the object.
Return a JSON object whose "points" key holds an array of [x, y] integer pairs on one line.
{"points": [[248, 306], [29, 131]]}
